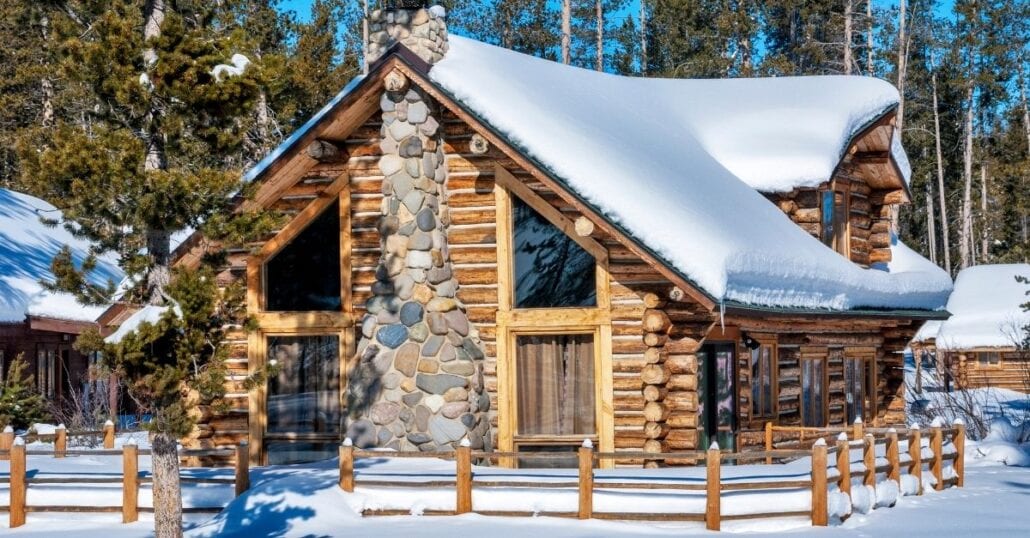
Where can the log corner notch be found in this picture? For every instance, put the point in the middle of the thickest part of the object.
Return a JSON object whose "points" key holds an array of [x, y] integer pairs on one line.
{"points": [[656, 326], [325, 151]]}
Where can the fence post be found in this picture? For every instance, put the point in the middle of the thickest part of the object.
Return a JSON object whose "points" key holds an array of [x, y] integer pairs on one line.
{"points": [[937, 464], [347, 465], [108, 435], [893, 456], [242, 468], [17, 484], [60, 441], [869, 459], [768, 441], [464, 477], [858, 429], [586, 480], [844, 463], [915, 453], [713, 488], [130, 483], [960, 452], [6, 442], [819, 508]]}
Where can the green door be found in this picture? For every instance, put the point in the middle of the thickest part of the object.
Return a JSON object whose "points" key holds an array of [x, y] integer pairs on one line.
{"points": [[716, 392]]}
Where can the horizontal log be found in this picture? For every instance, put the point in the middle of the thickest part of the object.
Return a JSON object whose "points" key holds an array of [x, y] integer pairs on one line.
{"points": [[680, 364], [656, 412], [655, 321], [654, 393]]}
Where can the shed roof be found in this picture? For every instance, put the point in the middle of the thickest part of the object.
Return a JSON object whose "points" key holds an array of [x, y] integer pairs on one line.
{"points": [[986, 309]]}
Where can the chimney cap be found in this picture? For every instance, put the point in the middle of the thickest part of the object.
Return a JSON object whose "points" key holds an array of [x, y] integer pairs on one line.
{"points": [[406, 4]]}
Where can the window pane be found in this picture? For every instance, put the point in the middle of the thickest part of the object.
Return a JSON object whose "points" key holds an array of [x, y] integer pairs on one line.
{"points": [[854, 384], [305, 275], [290, 452], [551, 270], [304, 393], [555, 381], [757, 394], [840, 223], [827, 218], [551, 462], [813, 372], [767, 384]]}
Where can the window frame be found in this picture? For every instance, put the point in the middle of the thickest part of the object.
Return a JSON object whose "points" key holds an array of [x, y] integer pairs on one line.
{"points": [[980, 363], [300, 323], [840, 240], [513, 322], [824, 392], [774, 393]]}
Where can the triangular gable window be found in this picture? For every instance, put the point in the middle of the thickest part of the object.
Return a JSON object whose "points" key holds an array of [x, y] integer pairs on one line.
{"points": [[551, 270], [305, 274]]}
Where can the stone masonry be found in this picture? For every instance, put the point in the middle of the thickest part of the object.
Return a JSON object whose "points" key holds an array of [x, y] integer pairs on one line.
{"points": [[417, 383]]}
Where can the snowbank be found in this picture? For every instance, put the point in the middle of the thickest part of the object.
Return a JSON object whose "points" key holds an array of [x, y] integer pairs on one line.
{"points": [[27, 248], [676, 163], [985, 308]]}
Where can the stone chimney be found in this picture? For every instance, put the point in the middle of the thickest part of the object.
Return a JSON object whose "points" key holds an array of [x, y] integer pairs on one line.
{"points": [[417, 381]]}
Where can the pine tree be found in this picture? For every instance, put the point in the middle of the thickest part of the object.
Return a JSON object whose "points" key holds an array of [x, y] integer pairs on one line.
{"points": [[20, 404], [322, 62]]}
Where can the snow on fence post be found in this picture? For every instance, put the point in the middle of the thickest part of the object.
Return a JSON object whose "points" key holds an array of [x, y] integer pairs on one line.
{"points": [[464, 477], [768, 441], [60, 441], [893, 456], [960, 452], [130, 483], [844, 463], [586, 480], [713, 486], [819, 508], [937, 463], [347, 465], [108, 435], [17, 484], [869, 459], [242, 468], [6, 442], [915, 453]]}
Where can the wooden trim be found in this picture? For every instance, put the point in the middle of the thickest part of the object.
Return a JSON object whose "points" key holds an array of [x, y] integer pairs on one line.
{"points": [[505, 289], [554, 317], [300, 222]]}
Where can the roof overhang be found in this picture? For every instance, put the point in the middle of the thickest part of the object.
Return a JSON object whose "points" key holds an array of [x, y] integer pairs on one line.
{"points": [[56, 325]]}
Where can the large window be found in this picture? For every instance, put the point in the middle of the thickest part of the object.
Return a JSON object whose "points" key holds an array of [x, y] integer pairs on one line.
{"points": [[304, 414], [813, 392], [763, 393], [550, 269], [835, 221], [305, 275], [46, 372]]}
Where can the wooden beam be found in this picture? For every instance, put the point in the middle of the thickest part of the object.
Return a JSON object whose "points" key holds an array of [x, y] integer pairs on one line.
{"points": [[325, 151]]}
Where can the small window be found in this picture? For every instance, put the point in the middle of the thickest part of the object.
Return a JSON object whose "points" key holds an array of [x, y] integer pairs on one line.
{"points": [[555, 385], [989, 358], [835, 221], [856, 388], [813, 392], [551, 270], [762, 387], [305, 274], [46, 372]]}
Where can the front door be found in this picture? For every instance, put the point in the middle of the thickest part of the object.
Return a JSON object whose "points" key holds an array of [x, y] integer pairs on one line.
{"points": [[716, 390]]}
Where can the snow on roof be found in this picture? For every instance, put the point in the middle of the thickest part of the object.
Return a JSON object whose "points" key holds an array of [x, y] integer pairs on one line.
{"points": [[676, 163], [985, 308], [150, 314], [27, 247]]}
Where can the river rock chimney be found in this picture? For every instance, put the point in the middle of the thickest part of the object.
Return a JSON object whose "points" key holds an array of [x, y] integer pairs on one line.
{"points": [[423, 30]]}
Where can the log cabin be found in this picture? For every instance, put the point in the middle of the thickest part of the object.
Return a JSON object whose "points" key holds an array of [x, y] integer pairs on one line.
{"points": [[488, 246], [983, 343], [40, 325]]}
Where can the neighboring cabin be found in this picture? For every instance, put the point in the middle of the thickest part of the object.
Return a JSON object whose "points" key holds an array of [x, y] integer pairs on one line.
{"points": [[40, 325], [979, 345], [488, 245]]}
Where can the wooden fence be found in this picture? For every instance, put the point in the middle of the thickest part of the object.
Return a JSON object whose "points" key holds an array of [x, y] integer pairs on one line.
{"points": [[19, 479], [714, 486], [59, 438]]}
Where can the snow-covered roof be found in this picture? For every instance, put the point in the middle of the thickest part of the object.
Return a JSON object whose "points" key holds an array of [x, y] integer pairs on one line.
{"points": [[149, 314], [676, 164], [985, 309], [27, 247]]}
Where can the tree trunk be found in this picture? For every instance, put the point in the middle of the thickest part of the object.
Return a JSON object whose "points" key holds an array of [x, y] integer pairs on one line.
{"points": [[945, 234], [566, 32], [870, 65], [364, 38], [966, 231], [112, 397], [46, 85], [985, 240], [599, 9], [167, 496], [931, 228], [1026, 111], [848, 8], [643, 37], [902, 60]]}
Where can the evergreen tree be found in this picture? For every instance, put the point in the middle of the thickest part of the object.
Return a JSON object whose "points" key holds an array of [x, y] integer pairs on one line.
{"points": [[692, 39], [326, 57], [20, 404]]}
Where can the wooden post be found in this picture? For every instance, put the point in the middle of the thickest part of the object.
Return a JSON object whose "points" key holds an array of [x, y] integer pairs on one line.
{"points": [[844, 464], [242, 468], [768, 441], [60, 441], [858, 429], [464, 478], [713, 483], [893, 456], [347, 465], [937, 464], [108, 435], [6, 442], [960, 452], [17, 484], [819, 507], [586, 480], [915, 453], [130, 483], [869, 459]]}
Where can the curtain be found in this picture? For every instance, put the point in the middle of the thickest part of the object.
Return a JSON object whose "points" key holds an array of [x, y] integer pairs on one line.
{"points": [[555, 385]]}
